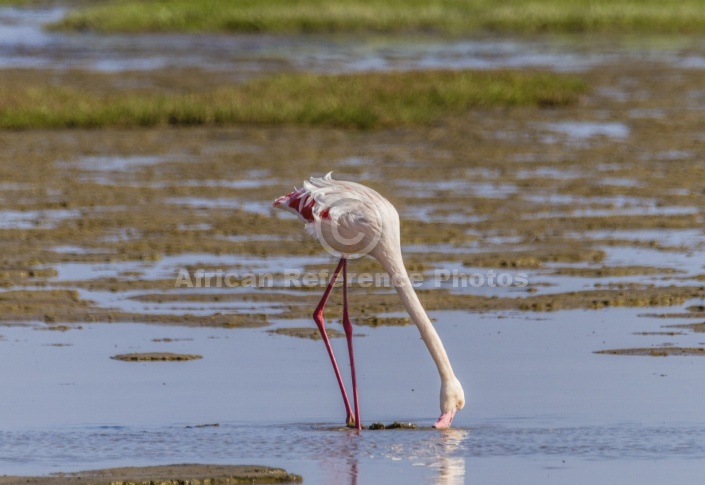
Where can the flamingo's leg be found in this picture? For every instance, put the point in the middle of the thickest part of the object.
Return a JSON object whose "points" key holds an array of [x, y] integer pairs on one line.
{"points": [[347, 326], [320, 323]]}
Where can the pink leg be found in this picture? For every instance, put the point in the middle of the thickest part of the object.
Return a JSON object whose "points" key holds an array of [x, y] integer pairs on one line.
{"points": [[347, 326], [320, 323]]}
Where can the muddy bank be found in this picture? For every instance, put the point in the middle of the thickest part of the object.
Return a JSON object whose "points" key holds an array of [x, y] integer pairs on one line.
{"points": [[155, 357], [170, 474], [656, 351]]}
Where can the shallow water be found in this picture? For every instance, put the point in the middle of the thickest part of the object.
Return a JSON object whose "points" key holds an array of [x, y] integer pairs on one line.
{"points": [[580, 130], [35, 219], [222, 203], [171, 266], [541, 405], [673, 237]]}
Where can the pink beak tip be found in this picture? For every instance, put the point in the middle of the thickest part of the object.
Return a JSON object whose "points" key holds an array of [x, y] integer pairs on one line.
{"points": [[444, 420]]}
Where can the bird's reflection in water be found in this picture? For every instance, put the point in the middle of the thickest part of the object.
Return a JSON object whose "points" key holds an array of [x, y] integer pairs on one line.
{"points": [[451, 469], [439, 451], [341, 458], [352, 460]]}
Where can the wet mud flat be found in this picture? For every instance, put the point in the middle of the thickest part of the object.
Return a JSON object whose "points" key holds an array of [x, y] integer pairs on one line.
{"points": [[100, 225]]}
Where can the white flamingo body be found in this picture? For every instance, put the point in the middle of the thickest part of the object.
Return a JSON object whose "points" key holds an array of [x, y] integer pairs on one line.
{"points": [[352, 219]]}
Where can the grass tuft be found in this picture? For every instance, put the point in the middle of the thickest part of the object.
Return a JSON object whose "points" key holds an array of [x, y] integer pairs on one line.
{"points": [[359, 101], [447, 16]]}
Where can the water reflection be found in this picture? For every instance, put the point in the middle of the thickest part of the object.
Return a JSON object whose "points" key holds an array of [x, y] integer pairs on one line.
{"points": [[353, 462], [441, 454], [451, 468], [335, 446]]}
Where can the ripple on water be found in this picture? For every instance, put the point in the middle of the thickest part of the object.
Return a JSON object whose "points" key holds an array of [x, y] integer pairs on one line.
{"points": [[422, 455]]}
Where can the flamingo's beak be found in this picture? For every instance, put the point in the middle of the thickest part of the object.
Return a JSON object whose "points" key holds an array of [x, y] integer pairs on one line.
{"points": [[445, 420], [280, 200]]}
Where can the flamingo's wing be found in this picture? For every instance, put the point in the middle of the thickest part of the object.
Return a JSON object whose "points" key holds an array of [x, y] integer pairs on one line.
{"points": [[348, 205], [344, 215], [350, 217]]}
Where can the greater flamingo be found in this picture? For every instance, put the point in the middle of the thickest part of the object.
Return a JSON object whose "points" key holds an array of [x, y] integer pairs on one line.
{"points": [[351, 220]]}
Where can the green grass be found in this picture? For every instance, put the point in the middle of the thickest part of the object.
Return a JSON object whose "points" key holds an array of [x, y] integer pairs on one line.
{"points": [[447, 16], [361, 101]]}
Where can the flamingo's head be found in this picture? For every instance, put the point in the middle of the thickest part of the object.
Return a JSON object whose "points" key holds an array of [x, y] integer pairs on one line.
{"points": [[452, 399]]}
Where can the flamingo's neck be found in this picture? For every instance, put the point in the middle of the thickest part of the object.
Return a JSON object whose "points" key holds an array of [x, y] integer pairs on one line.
{"points": [[394, 265]]}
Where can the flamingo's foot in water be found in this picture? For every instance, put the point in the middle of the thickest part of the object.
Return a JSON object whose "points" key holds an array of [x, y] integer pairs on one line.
{"points": [[350, 421]]}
